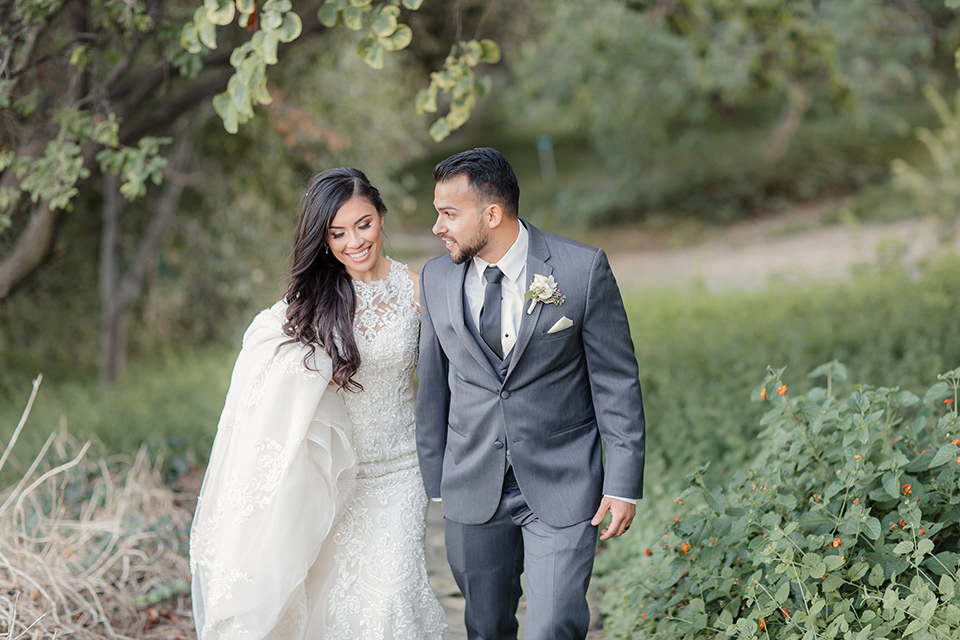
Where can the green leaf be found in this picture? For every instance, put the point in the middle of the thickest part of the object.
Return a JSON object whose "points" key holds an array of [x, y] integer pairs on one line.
{"points": [[858, 570], [400, 39], [206, 30], [385, 23], [223, 105], [371, 52], [946, 453], [360, 3], [268, 47], [913, 627], [329, 15], [426, 101], [189, 38], [903, 547], [946, 587], [271, 19], [491, 51], [928, 609], [891, 484], [833, 562], [876, 577], [220, 12], [782, 593], [440, 129], [352, 18], [291, 28], [413, 5], [937, 392], [924, 547], [246, 6], [872, 528], [905, 399]]}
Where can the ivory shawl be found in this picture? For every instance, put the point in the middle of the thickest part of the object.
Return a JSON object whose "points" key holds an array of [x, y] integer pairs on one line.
{"points": [[281, 464]]}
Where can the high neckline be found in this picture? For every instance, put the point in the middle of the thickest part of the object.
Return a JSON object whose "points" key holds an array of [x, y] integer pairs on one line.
{"points": [[375, 281]]}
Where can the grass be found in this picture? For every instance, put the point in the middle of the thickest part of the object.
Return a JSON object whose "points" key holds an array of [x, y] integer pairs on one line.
{"points": [[172, 406]]}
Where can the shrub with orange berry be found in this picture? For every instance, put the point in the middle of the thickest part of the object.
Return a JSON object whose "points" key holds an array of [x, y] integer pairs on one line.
{"points": [[845, 520]]}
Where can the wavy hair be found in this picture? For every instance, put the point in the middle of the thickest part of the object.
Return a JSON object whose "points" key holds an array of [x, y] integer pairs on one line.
{"points": [[321, 302]]}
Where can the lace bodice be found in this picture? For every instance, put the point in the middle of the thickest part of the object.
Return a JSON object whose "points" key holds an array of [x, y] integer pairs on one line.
{"points": [[386, 328]]}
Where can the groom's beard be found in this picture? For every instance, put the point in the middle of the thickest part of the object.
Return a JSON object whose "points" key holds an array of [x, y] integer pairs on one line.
{"points": [[471, 247]]}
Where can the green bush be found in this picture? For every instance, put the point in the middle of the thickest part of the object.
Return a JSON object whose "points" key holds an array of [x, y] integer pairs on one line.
{"points": [[699, 351], [845, 525]]}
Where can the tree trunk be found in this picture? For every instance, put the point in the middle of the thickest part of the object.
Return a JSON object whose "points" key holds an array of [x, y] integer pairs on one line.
{"points": [[117, 293], [790, 120]]}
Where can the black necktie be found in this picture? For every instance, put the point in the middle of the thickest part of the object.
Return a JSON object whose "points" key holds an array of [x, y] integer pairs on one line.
{"points": [[490, 312]]}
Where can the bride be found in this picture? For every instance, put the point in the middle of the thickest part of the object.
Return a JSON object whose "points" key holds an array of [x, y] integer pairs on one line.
{"points": [[311, 518]]}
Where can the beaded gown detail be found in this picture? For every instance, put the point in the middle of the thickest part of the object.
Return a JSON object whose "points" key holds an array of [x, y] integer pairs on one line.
{"points": [[380, 590], [311, 520]]}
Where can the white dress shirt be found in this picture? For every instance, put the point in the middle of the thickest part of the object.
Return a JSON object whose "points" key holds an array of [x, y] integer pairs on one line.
{"points": [[513, 264]]}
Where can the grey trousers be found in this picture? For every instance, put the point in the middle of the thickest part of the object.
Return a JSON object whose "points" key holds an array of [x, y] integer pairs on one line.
{"points": [[487, 561]]}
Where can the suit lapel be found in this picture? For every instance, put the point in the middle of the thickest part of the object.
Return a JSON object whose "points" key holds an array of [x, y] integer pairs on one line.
{"points": [[458, 317], [537, 257]]}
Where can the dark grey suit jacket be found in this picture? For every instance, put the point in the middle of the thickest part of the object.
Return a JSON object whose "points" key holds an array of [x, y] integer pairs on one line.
{"points": [[550, 405]]}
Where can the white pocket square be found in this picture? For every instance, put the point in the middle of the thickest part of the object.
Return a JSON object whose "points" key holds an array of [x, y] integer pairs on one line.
{"points": [[561, 324]]}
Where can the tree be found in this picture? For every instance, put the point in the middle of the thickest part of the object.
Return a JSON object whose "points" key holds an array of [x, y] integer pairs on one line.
{"points": [[644, 75], [94, 96]]}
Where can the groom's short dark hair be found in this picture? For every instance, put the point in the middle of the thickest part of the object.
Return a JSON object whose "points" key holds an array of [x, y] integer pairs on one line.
{"points": [[488, 173]]}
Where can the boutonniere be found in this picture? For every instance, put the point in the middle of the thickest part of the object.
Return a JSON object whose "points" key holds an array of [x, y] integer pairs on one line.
{"points": [[543, 289]]}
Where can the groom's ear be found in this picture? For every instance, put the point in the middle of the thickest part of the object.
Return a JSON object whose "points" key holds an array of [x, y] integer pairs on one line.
{"points": [[493, 215]]}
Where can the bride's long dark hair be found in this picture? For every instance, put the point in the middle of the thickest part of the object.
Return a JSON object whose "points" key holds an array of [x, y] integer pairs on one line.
{"points": [[321, 302]]}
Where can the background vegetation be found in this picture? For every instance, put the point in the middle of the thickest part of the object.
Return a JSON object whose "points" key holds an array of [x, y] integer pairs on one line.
{"points": [[647, 117]]}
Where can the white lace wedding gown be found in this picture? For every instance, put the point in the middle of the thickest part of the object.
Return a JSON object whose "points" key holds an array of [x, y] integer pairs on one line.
{"points": [[377, 546], [311, 519]]}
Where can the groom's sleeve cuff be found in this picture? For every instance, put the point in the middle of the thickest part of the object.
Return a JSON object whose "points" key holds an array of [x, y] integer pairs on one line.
{"points": [[438, 500], [630, 500]]}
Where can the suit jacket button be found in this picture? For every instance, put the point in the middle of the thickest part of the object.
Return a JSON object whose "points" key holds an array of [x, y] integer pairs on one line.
{"points": [[498, 444], [503, 373], [504, 394]]}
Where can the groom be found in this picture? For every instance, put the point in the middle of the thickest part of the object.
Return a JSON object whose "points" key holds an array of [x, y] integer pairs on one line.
{"points": [[514, 399]]}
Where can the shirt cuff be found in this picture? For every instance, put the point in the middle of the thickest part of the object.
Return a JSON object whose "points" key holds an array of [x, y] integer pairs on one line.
{"points": [[438, 500], [630, 500]]}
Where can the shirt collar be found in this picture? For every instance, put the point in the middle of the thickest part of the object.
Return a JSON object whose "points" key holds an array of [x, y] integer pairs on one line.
{"points": [[513, 261]]}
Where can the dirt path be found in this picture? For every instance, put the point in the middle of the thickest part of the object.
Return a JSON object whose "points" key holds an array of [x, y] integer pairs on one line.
{"points": [[745, 255]]}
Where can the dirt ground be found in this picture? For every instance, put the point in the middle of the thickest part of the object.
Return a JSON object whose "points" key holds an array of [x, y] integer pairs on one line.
{"points": [[745, 255]]}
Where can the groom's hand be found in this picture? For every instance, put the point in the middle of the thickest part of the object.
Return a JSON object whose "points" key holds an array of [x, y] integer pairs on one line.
{"points": [[621, 513]]}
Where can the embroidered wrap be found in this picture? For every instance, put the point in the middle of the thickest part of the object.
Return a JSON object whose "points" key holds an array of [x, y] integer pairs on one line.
{"points": [[280, 468]]}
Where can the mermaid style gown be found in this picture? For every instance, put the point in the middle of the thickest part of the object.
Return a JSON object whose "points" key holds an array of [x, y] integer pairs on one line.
{"points": [[326, 485]]}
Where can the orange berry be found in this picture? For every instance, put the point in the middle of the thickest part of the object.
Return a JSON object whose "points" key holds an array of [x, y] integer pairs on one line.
{"points": [[647, 552], [906, 489], [782, 389], [763, 394], [686, 547], [837, 542]]}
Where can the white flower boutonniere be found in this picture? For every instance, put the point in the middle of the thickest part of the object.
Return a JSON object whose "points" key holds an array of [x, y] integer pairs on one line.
{"points": [[543, 289]]}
